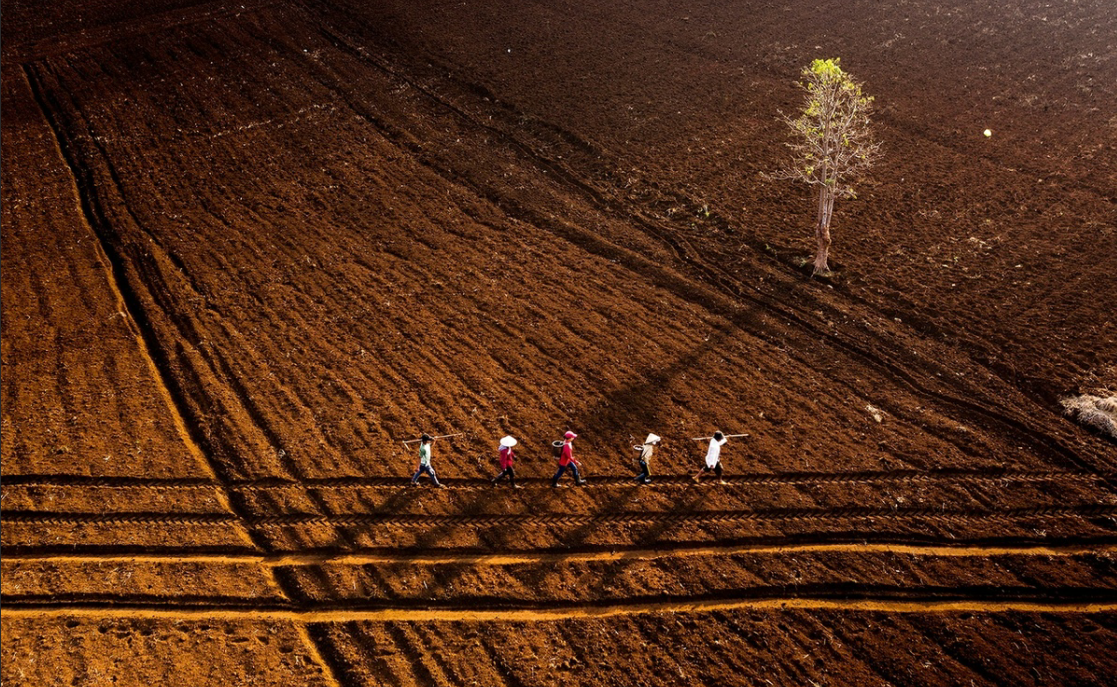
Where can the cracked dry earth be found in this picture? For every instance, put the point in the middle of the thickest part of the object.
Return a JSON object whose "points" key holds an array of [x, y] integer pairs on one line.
{"points": [[248, 247]]}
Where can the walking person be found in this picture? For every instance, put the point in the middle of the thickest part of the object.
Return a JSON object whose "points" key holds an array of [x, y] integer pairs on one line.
{"points": [[646, 451], [425, 462], [507, 459], [713, 457], [566, 461]]}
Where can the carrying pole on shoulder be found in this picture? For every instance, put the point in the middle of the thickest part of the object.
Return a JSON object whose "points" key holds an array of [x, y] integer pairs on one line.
{"points": [[443, 436]]}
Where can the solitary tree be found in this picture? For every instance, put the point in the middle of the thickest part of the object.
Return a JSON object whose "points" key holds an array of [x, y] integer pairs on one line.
{"points": [[832, 144]]}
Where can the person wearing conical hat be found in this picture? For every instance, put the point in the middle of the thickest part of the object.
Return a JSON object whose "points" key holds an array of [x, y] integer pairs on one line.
{"points": [[713, 457], [507, 459], [567, 461], [646, 451], [425, 462]]}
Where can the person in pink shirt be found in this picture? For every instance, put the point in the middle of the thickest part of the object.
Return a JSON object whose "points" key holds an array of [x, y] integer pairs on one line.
{"points": [[507, 459], [566, 461]]}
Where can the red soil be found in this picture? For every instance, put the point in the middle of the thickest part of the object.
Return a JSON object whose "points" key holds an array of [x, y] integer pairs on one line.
{"points": [[249, 247]]}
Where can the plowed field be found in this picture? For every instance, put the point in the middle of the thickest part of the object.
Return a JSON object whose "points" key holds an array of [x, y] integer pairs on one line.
{"points": [[250, 247]]}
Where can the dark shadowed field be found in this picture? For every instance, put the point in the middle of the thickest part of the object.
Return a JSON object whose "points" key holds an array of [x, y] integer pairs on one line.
{"points": [[249, 247]]}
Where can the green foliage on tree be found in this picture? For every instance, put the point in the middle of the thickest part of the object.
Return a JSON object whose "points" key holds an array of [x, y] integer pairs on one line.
{"points": [[832, 143]]}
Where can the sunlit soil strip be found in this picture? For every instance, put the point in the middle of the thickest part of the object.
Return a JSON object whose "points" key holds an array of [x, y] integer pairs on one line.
{"points": [[316, 655], [527, 558], [572, 612], [111, 280]]}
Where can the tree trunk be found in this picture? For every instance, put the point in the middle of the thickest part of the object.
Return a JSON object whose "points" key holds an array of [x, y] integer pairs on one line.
{"points": [[822, 230]]}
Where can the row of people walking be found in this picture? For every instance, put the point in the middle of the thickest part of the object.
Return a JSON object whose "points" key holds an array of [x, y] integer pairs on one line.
{"points": [[564, 452]]}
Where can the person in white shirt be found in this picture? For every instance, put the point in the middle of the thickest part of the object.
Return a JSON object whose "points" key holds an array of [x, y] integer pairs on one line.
{"points": [[713, 457], [646, 451]]}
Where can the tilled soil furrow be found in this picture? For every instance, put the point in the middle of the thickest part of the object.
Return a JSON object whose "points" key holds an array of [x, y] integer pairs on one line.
{"points": [[130, 304], [80, 389], [932, 382], [945, 548], [246, 394], [870, 477], [332, 225], [342, 656], [242, 396], [775, 514], [842, 597], [609, 580], [111, 33], [320, 653]]}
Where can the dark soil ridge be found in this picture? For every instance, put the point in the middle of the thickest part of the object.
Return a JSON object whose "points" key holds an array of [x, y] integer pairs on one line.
{"points": [[356, 519], [866, 541]]}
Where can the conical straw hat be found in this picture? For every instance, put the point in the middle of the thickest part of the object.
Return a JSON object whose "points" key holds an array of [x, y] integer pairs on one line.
{"points": [[508, 442], [652, 438]]}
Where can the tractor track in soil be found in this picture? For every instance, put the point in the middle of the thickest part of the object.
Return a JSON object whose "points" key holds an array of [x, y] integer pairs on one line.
{"points": [[96, 220], [358, 519], [1092, 546], [836, 597]]}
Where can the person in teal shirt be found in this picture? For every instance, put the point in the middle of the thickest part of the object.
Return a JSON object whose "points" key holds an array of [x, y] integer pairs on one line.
{"points": [[425, 462]]}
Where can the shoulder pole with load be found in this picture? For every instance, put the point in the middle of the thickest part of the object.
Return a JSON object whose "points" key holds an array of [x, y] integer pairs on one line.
{"points": [[443, 436]]}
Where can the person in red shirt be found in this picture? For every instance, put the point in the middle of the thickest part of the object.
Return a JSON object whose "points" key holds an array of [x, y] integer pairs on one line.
{"points": [[507, 460], [566, 460]]}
